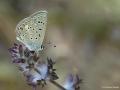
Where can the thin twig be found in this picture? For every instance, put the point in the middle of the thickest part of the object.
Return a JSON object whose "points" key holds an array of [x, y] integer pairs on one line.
{"points": [[58, 85]]}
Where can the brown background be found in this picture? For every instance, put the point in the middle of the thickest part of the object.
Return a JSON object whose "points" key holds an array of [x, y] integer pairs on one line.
{"points": [[86, 33]]}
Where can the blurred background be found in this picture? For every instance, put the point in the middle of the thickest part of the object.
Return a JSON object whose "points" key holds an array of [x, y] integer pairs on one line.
{"points": [[86, 34]]}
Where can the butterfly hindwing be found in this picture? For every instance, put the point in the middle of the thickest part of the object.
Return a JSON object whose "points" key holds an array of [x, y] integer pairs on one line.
{"points": [[39, 21], [33, 30]]}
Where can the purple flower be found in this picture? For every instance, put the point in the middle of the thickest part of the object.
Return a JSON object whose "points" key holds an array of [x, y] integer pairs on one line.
{"points": [[38, 72], [69, 83], [72, 83], [36, 76], [28, 62], [43, 70]]}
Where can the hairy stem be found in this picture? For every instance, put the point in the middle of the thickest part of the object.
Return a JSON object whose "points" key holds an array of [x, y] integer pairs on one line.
{"points": [[58, 85]]}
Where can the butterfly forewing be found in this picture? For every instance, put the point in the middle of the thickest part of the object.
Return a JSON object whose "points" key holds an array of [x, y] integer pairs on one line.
{"points": [[33, 30], [21, 31]]}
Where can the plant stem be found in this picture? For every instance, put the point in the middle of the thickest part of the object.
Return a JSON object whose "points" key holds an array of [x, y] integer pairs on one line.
{"points": [[58, 85], [34, 88]]}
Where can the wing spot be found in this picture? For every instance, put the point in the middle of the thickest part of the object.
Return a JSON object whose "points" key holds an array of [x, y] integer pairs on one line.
{"points": [[31, 38], [39, 35], [40, 29], [21, 28], [35, 38], [38, 21]]}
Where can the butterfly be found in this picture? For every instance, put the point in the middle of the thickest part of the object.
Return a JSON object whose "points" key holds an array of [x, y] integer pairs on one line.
{"points": [[31, 30]]}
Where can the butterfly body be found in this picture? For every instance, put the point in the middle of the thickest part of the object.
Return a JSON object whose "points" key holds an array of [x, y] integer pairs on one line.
{"points": [[31, 30]]}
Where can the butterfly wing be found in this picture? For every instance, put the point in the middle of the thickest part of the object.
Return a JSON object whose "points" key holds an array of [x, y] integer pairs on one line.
{"points": [[31, 30]]}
